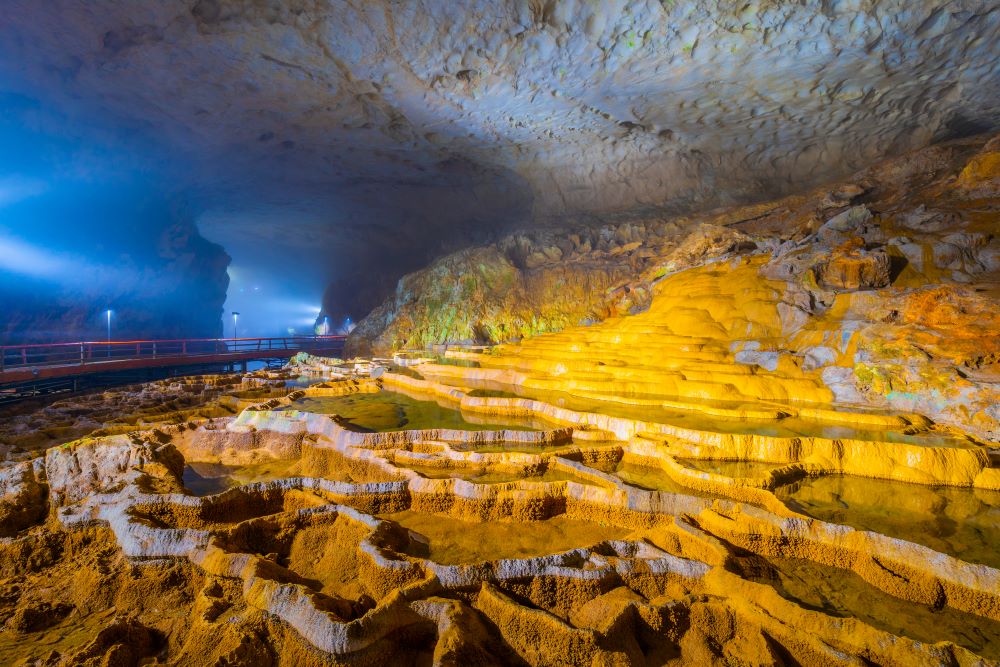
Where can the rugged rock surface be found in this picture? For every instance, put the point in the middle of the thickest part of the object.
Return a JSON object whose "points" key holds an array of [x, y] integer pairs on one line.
{"points": [[887, 285], [595, 539], [533, 283], [601, 106], [524, 285], [28, 428], [23, 496], [851, 267], [672, 456]]}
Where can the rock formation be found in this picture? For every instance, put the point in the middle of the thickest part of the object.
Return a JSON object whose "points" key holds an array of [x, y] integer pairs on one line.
{"points": [[607, 423], [882, 289], [591, 538]]}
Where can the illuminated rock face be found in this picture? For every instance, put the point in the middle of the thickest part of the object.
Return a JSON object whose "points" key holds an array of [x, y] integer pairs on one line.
{"points": [[602, 106], [880, 291], [671, 455]]}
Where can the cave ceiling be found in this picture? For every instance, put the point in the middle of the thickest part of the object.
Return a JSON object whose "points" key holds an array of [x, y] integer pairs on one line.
{"points": [[405, 128]]}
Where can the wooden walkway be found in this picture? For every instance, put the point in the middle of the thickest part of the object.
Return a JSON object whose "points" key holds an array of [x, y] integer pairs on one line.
{"points": [[27, 363]]}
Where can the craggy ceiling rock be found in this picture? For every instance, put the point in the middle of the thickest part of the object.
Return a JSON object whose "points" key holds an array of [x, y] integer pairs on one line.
{"points": [[391, 116]]}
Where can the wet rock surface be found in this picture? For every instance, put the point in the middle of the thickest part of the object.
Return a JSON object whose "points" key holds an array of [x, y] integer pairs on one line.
{"points": [[614, 529]]}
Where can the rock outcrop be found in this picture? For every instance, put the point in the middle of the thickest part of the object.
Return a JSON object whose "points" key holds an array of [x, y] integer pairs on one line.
{"points": [[595, 538], [881, 290], [851, 267], [23, 497], [518, 288]]}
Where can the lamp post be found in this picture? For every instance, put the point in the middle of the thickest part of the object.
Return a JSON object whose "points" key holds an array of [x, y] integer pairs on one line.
{"points": [[109, 331], [236, 319]]}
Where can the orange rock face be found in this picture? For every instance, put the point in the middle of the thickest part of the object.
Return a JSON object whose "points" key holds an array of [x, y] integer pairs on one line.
{"points": [[851, 270], [851, 267]]}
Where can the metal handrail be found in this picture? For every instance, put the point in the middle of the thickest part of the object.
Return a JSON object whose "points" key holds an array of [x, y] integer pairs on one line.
{"points": [[94, 352], [174, 340]]}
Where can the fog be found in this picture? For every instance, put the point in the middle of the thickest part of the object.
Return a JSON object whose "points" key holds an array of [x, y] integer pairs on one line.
{"points": [[94, 217], [85, 226], [276, 280]]}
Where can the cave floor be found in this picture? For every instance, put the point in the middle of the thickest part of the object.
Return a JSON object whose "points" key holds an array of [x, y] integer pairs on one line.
{"points": [[409, 514]]}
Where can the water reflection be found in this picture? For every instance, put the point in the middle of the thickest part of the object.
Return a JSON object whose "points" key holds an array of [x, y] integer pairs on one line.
{"points": [[843, 593], [962, 522], [396, 411]]}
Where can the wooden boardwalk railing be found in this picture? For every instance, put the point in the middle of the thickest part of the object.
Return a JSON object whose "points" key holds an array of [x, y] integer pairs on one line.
{"points": [[20, 363]]}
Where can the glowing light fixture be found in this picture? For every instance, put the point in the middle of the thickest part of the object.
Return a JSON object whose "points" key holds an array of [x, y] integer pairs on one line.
{"points": [[236, 320], [108, 313]]}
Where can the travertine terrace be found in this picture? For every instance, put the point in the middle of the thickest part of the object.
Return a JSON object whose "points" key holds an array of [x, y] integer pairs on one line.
{"points": [[667, 333], [728, 471], [544, 533]]}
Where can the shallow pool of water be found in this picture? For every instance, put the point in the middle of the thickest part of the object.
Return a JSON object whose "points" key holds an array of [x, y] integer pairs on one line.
{"points": [[481, 476], [790, 427], [962, 522], [515, 447], [454, 541], [843, 593], [651, 479], [734, 469], [452, 361], [395, 411], [492, 393], [205, 479], [306, 380], [405, 370]]}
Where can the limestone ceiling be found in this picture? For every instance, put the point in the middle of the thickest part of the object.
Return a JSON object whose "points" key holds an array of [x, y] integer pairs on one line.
{"points": [[560, 106]]}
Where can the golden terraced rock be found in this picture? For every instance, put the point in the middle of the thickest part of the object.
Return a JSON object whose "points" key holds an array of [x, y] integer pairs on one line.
{"points": [[759, 456], [540, 534]]}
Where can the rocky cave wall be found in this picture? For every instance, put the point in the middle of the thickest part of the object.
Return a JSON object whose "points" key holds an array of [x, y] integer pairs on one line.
{"points": [[589, 110], [886, 285], [158, 275], [532, 282]]}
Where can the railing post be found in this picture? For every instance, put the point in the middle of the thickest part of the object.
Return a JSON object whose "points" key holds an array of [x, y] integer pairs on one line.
{"points": [[24, 356], [154, 349], [82, 361], [184, 347]]}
